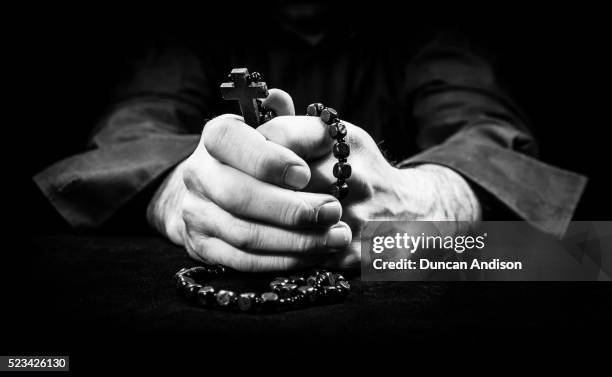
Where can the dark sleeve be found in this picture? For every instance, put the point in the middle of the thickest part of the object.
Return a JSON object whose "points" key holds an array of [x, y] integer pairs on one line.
{"points": [[153, 124], [468, 124]]}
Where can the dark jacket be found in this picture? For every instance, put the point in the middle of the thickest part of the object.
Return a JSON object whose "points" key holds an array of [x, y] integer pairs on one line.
{"points": [[436, 102]]}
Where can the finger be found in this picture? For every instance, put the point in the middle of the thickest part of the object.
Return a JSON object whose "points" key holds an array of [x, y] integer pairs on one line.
{"points": [[208, 218], [231, 141], [279, 101], [306, 136], [243, 195], [321, 177], [348, 259], [216, 251]]}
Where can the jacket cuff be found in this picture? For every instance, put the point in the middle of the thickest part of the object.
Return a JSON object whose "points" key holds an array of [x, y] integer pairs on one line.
{"points": [[87, 189], [541, 194]]}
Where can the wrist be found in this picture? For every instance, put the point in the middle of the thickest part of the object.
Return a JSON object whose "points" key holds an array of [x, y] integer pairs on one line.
{"points": [[164, 209], [444, 195]]}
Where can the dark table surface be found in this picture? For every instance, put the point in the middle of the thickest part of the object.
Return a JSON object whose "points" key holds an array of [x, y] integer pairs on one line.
{"points": [[71, 294]]}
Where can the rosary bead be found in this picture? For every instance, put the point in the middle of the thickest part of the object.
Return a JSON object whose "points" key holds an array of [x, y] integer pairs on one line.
{"points": [[198, 273], [311, 280], [269, 300], [308, 292], [206, 295], [247, 301], [216, 271], [287, 302], [323, 279], [314, 109], [288, 290], [198, 269], [254, 77], [342, 170], [339, 190], [341, 150], [182, 284], [180, 274], [336, 278], [182, 281], [277, 284], [330, 278], [329, 115], [268, 115], [297, 280], [225, 298], [343, 286], [299, 301], [337, 130], [191, 290]]}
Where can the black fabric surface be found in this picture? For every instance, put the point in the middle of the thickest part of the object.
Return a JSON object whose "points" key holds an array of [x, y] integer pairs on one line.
{"points": [[113, 296]]}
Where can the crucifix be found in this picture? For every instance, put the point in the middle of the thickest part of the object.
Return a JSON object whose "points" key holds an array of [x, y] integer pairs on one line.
{"points": [[246, 89]]}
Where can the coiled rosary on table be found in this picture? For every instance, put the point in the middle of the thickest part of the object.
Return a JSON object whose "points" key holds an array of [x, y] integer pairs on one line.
{"points": [[285, 293], [320, 287]]}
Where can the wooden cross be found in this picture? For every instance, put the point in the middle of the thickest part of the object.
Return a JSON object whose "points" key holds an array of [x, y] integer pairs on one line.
{"points": [[246, 93]]}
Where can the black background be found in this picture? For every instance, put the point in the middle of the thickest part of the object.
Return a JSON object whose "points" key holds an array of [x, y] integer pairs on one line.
{"points": [[551, 59]]}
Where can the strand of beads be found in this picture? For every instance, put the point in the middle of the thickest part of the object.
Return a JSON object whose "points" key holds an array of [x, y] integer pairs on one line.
{"points": [[341, 150], [285, 293]]}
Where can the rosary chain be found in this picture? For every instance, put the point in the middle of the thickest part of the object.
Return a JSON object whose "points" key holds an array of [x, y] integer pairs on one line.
{"points": [[341, 150], [337, 130], [285, 293]]}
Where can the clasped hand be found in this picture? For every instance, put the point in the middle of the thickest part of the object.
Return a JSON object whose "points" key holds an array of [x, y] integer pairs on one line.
{"points": [[257, 199]]}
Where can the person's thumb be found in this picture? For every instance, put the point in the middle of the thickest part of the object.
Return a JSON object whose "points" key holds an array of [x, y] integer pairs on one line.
{"points": [[279, 101]]}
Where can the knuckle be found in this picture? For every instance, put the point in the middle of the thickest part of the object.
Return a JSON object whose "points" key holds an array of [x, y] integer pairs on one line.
{"points": [[194, 247], [298, 213], [215, 133], [276, 130], [259, 163], [246, 235], [191, 238], [190, 178], [267, 163], [205, 248], [238, 204], [188, 217], [221, 193], [196, 218]]}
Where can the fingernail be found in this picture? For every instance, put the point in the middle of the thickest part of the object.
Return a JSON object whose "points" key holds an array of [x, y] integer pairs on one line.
{"points": [[329, 213], [297, 176], [337, 237]]}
